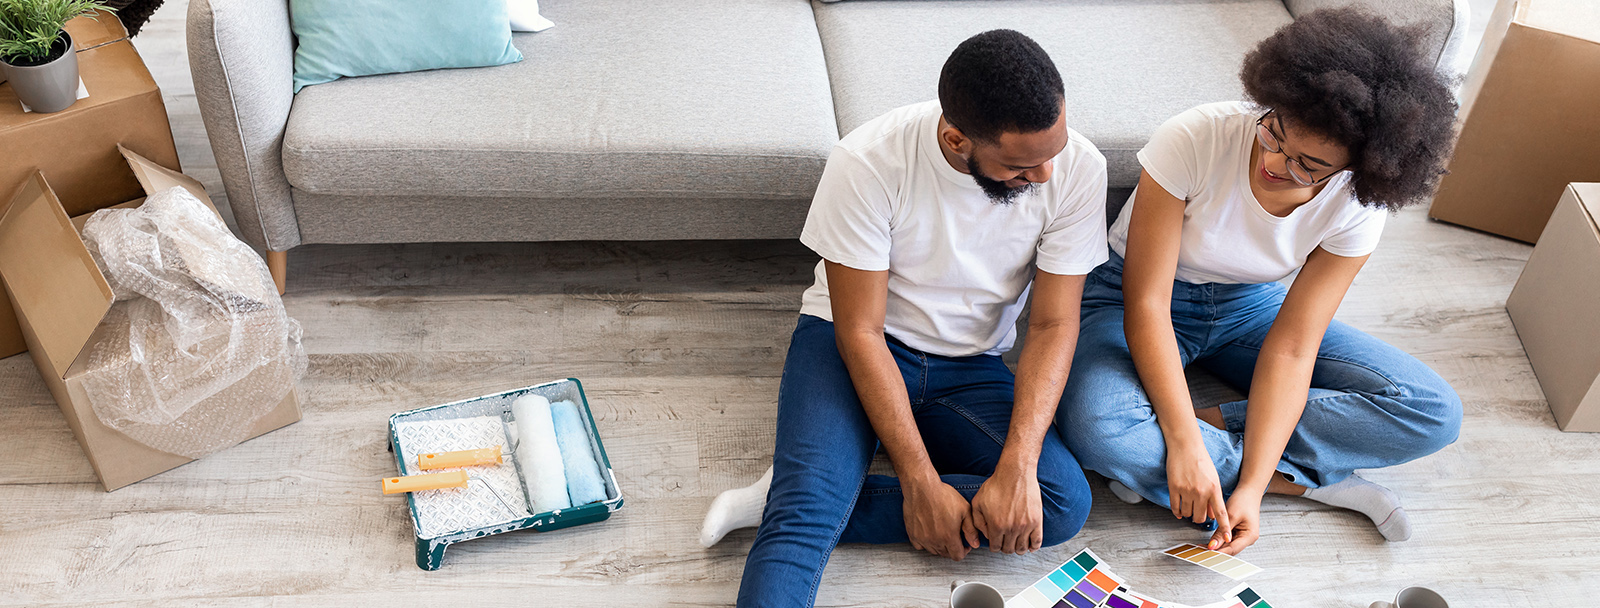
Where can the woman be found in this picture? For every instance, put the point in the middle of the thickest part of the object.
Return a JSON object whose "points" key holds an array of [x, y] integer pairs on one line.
{"points": [[1347, 122]]}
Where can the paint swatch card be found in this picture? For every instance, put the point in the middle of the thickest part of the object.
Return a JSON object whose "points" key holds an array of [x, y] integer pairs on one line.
{"points": [[1082, 582], [1245, 597], [1221, 563], [1086, 582]]}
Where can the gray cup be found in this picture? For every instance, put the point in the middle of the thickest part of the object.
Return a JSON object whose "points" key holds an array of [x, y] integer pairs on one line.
{"points": [[51, 87], [1414, 597], [975, 595]]}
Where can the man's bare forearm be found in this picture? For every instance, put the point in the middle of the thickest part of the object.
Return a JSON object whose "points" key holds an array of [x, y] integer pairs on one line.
{"points": [[1041, 375], [883, 396]]}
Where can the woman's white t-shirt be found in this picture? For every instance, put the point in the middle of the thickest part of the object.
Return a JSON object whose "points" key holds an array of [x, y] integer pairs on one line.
{"points": [[1203, 156], [959, 264]]}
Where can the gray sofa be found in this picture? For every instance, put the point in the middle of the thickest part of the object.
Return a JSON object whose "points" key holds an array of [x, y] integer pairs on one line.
{"points": [[674, 119]]}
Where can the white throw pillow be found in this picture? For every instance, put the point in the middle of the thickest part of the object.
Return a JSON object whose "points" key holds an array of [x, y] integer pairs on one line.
{"points": [[525, 16]]}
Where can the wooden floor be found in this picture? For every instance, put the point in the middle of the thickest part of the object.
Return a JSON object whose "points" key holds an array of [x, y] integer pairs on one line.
{"points": [[680, 346]]}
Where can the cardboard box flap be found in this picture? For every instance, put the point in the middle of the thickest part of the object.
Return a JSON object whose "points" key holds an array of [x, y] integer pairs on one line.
{"points": [[100, 29], [1589, 201], [55, 286], [154, 178], [1575, 18]]}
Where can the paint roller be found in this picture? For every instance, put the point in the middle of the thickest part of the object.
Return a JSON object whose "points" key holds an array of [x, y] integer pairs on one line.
{"points": [[550, 445], [538, 455]]}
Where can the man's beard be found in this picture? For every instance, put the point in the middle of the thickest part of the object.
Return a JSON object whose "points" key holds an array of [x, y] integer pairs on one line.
{"points": [[999, 193]]}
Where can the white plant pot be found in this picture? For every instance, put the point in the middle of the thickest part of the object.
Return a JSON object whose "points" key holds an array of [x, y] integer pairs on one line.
{"points": [[48, 87]]}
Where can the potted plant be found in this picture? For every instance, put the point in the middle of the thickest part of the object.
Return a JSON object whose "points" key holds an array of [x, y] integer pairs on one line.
{"points": [[36, 54]]}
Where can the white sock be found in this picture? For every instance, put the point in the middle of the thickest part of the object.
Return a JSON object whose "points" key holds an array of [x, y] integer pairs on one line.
{"points": [[734, 509], [1124, 493], [1375, 501]]}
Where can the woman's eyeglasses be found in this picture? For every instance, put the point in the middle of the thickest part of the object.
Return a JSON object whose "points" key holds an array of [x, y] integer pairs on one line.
{"points": [[1297, 170]]}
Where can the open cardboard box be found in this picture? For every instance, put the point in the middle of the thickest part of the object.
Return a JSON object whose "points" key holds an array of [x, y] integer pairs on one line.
{"points": [[1553, 308], [60, 298], [77, 147], [1528, 119]]}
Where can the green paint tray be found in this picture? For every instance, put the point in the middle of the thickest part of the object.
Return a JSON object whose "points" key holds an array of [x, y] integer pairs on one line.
{"points": [[493, 502]]}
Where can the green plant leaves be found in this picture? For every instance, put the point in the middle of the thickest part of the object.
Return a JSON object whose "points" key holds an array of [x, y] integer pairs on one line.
{"points": [[29, 28]]}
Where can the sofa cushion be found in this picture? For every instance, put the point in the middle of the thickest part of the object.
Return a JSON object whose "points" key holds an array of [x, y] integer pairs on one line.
{"points": [[1128, 65], [344, 38], [675, 98]]}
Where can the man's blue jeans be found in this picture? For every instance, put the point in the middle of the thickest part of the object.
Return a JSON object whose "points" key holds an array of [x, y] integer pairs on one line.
{"points": [[1370, 404], [821, 493]]}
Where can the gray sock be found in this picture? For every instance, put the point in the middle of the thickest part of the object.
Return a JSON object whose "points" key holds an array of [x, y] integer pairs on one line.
{"points": [[1375, 501]]}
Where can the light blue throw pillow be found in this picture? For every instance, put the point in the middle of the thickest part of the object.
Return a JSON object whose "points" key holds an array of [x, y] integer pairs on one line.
{"points": [[339, 38]]}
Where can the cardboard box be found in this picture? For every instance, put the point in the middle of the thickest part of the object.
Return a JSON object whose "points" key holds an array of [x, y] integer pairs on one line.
{"points": [[1528, 118], [60, 298], [77, 147], [1554, 307]]}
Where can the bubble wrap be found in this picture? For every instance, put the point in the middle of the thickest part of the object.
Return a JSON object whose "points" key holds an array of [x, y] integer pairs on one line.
{"points": [[197, 346]]}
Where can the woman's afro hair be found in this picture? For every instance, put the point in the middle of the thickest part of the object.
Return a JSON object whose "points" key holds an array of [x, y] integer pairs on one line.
{"points": [[1360, 81]]}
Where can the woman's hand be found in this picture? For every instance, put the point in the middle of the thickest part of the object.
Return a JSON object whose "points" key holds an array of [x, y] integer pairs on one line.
{"points": [[1244, 510], [1192, 482]]}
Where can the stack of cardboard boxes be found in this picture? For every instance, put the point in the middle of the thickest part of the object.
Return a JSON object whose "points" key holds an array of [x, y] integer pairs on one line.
{"points": [[1530, 128], [76, 148], [110, 149]]}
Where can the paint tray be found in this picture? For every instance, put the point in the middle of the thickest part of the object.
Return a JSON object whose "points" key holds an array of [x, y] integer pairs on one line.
{"points": [[493, 501]]}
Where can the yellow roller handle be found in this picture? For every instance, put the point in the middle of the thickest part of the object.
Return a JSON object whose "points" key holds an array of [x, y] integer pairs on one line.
{"points": [[415, 483], [463, 458]]}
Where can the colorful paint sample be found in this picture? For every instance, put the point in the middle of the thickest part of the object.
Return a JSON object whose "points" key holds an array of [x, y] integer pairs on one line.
{"points": [[1090, 591], [1248, 597], [1036, 599], [1184, 551], [1085, 582], [1048, 588], [1052, 591], [1086, 559], [1060, 579], [1221, 563], [1099, 578], [1077, 600], [1117, 601], [1073, 570]]}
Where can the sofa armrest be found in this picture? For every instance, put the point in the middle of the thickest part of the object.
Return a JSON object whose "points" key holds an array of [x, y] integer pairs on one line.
{"points": [[1445, 22], [241, 55]]}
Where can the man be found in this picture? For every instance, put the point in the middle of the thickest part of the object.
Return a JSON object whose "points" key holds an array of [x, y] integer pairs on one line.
{"points": [[932, 222]]}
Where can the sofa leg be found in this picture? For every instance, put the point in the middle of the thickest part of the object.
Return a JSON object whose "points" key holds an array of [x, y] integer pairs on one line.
{"points": [[278, 265]]}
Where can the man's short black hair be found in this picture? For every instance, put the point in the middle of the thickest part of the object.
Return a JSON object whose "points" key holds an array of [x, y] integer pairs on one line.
{"points": [[1000, 81]]}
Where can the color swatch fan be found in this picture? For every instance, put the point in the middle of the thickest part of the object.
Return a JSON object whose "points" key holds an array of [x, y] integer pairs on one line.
{"points": [[1082, 582], [1221, 563], [1086, 582]]}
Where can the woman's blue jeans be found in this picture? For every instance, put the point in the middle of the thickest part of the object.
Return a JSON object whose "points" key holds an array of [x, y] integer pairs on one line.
{"points": [[821, 493], [1370, 404]]}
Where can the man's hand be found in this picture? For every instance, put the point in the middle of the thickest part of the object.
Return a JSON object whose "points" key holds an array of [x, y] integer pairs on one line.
{"points": [[1244, 509], [938, 519], [1008, 511]]}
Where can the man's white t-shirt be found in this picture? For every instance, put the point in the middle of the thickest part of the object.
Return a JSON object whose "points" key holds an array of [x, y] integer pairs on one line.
{"points": [[959, 264], [1203, 156]]}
